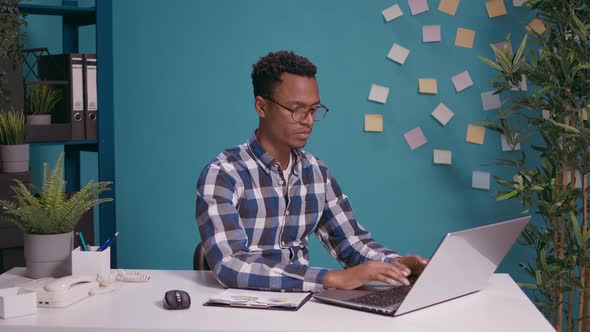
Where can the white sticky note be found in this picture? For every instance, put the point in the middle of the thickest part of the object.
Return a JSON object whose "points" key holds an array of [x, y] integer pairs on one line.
{"points": [[490, 101], [415, 138], [443, 157], [523, 85], [442, 114], [392, 13], [518, 3], [378, 93], [431, 33], [578, 178], [508, 147], [546, 114], [398, 53], [480, 180]]}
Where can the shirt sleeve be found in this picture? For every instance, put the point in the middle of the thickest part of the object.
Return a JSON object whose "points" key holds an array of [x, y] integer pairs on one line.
{"points": [[225, 242], [341, 234]]}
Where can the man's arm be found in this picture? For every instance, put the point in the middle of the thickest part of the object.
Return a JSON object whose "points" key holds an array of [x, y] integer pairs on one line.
{"points": [[226, 244]]}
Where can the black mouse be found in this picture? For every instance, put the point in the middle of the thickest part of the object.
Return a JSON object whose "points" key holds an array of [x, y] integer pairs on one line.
{"points": [[176, 299]]}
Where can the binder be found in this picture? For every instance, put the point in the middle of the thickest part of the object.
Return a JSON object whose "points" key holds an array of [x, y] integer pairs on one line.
{"points": [[90, 97], [67, 67]]}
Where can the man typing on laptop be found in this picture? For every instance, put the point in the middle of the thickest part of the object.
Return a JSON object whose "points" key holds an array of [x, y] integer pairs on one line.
{"points": [[257, 203]]}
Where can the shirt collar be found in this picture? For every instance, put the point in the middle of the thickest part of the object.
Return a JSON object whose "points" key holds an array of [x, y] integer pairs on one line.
{"points": [[265, 160]]}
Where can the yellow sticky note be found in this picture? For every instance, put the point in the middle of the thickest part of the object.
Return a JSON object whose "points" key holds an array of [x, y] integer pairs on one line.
{"points": [[465, 38], [537, 25], [496, 8], [448, 6], [475, 134], [374, 123], [428, 85]]}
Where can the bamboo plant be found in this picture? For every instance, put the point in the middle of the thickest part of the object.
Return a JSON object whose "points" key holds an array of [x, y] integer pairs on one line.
{"points": [[41, 99], [553, 119], [50, 210], [12, 128]]}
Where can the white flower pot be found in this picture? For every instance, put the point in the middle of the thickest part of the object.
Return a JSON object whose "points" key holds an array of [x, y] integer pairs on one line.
{"points": [[39, 119], [14, 158]]}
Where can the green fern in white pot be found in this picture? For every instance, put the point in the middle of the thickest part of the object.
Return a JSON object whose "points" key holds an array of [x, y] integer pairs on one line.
{"points": [[48, 216]]}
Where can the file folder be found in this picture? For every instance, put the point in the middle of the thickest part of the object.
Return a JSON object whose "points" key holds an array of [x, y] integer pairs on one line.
{"points": [[90, 97], [67, 67]]}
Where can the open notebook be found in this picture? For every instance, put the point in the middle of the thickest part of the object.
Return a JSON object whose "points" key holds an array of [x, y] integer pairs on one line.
{"points": [[258, 299]]}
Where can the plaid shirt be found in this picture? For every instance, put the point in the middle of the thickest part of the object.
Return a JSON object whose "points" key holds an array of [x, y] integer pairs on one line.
{"points": [[255, 236]]}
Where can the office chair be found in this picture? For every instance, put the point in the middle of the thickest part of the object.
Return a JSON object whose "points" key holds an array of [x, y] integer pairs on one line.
{"points": [[199, 260]]}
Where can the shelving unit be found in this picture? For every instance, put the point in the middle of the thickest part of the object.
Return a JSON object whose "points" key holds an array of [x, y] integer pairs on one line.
{"points": [[73, 18]]}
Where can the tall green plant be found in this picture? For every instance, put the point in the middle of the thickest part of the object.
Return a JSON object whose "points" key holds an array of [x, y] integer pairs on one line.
{"points": [[12, 36], [555, 115], [50, 210], [12, 128], [41, 99]]}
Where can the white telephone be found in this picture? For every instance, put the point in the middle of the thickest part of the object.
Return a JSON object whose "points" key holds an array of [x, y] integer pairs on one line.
{"points": [[59, 293]]}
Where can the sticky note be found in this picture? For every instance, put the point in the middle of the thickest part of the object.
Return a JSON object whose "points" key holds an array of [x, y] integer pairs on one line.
{"points": [[462, 81], [374, 123], [428, 86], [509, 147], [496, 8], [431, 33], [518, 3], [522, 86], [465, 38], [418, 6], [415, 138], [546, 114], [480, 180], [490, 101], [475, 134], [448, 6], [392, 13], [398, 53], [578, 176], [442, 114], [378, 93], [442, 157], [500, 46], [537, 25]]}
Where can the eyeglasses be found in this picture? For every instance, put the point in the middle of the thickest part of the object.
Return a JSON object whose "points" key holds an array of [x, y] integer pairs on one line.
{"points": [[300, 113]]}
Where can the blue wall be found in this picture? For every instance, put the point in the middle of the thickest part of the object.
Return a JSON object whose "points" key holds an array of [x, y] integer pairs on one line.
{"points": [[182, 94]]}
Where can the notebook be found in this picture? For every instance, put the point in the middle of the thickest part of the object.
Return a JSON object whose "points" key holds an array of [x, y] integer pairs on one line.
{"points": [[259, 299], [461, 265]]}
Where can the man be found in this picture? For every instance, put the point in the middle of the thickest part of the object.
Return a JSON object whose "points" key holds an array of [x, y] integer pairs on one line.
{"points": [[257, 203]]}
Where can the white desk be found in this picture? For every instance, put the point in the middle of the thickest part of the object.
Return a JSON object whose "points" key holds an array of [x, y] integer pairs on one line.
{"points": [[502, 306]]}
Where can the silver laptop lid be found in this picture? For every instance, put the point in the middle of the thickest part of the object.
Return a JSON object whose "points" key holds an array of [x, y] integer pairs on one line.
{"points": [[463, 263]]}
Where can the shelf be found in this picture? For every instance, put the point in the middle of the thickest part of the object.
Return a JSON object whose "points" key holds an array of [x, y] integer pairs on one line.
{"points": [[79, 16], [89, 143]]}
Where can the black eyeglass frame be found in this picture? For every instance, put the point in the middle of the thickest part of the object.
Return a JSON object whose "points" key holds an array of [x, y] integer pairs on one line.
{"points": [[308, 111]]}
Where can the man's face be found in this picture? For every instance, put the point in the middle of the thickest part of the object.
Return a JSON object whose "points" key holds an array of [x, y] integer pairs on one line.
{"points": [[295, 92]]}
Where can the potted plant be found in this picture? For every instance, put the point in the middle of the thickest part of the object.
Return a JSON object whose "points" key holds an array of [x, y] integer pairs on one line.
{"points": [[554, 184], [14, 152], [48, 216], [39, 103], [12, 35]]}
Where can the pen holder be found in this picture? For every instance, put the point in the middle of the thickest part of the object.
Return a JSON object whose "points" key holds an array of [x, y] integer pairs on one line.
{"points": [[91, 262], [14, 304]]}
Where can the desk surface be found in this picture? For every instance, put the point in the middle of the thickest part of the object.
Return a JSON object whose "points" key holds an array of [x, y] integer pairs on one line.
{"points": [[501, 306]]}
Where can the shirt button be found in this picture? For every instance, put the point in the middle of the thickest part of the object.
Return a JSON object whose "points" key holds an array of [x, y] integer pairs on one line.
{"points": [[267, 169], [282, 243], [287, 212], [281, 182]]}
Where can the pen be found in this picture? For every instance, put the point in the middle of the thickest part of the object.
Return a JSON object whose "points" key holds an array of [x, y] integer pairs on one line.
{"points": [[84, 246], [107, 243]]}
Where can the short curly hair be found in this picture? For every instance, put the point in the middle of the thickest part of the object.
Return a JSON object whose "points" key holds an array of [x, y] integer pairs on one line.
{"points": [[266, 73]]}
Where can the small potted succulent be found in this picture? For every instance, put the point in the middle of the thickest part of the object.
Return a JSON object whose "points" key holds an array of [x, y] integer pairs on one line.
{"points": [[39, 103], [14, 152]]}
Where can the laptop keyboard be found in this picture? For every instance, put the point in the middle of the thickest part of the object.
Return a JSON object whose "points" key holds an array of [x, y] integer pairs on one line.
{"points": [[385, 298]]}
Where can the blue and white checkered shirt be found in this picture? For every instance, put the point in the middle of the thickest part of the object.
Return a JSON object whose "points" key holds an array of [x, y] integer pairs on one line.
{"points": [[255, 237]]}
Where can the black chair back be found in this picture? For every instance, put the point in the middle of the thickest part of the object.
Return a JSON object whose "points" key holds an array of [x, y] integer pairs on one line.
{"points": [[199, 260]]}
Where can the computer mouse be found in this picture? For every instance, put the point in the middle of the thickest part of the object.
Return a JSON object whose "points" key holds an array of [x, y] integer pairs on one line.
{"points": [[176, 299]]}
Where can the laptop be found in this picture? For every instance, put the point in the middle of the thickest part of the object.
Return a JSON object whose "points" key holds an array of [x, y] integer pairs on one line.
{"points": [[461, 265]]}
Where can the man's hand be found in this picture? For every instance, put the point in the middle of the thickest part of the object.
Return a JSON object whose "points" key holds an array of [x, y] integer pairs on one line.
{"points": [[390, 273]]}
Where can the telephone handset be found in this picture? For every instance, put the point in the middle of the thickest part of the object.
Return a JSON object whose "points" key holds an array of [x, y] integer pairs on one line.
{"points": [[59, 293]]}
